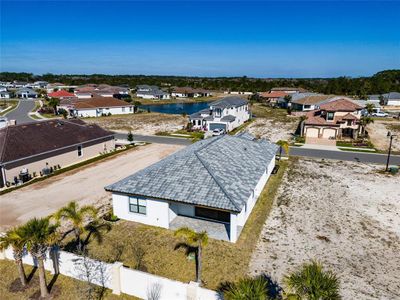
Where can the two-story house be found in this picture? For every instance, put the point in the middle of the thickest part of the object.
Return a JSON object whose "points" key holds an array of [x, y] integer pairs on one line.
{"points": [[227, 113], [333, 120]]}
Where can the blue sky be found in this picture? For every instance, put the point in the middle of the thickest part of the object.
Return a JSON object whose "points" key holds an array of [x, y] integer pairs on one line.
{"points": [[204, 38]]}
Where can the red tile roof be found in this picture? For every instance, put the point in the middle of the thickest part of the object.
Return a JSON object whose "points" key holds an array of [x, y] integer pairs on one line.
{"points": [[340, 105], [99, 102], [60, 94], [274, 94]]}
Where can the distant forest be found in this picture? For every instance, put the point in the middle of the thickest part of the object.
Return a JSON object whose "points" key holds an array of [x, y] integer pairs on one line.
{"points": [[381, 82]]}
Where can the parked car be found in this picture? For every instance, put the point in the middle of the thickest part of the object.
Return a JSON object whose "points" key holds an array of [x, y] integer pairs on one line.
{"points": [[218, 131], [380, 114]]}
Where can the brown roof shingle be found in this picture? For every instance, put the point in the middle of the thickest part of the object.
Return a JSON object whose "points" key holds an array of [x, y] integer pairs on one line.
{"points": [[30, 139], [340, 105], [98, 102]]}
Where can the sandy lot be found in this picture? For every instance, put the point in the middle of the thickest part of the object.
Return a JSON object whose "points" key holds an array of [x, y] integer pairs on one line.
{"points": [[378, 130], [344, 214], [85, 185], [143, 123], [272, 130], [273, 124]]}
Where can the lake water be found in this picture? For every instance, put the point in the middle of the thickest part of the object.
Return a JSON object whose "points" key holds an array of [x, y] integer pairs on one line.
{"points": [[176, 108]]}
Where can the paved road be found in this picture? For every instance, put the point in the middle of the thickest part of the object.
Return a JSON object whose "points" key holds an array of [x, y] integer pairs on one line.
{"points": [[20, 114], [295, 151], [156, 139], [344, 155]]}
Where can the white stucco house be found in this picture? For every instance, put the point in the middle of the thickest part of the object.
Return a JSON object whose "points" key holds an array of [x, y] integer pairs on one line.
{"points": [[151, 92], [227, 113], [101, 106], [211, 186], [26, 93], [390, 99]]}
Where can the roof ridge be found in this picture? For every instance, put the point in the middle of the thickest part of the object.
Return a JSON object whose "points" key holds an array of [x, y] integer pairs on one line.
{"points": [[213, 177]]}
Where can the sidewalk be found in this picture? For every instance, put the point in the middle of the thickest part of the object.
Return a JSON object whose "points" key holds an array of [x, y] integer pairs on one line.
{"points": [[335, 148]]}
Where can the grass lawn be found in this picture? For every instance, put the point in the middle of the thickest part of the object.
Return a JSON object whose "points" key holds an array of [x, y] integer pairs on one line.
{"points": [[12, 103], [63, 287], [260, 110], [241, 127], [154, 248]]}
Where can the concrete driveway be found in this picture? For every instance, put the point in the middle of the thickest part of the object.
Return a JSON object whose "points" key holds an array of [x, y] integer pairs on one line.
{"points": [[85, 185]]}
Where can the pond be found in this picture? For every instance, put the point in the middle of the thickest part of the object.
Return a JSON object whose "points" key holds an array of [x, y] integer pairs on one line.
{"points": [[176, 108]]}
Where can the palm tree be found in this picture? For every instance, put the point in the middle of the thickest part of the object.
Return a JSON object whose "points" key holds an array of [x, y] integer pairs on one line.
{"points": [[40, 235], [370, 108], [200, 240], [15, 239], [283, 145], [364, 121], [247, 289], [77, 217], [53, 102], [311, 282]]}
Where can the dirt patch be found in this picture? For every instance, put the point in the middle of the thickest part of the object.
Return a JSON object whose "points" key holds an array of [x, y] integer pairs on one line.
{"points": [[143, 123], [378, 134], [272, 129], [347, 216]]}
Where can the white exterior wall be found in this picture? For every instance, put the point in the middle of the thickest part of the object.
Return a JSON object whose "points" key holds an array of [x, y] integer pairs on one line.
{"points": [[394, 102], [246, 211], [97, 112], [157, 211]]}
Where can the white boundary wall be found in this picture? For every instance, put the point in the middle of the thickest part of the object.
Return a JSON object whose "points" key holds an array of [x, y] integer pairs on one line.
{"points": [[117, 277]]}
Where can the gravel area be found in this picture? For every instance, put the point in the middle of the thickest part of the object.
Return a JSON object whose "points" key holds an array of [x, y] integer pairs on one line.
{"points": [[344, 214]]}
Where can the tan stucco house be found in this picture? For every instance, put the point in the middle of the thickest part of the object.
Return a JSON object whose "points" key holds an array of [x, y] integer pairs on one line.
{"points": [[35, 147], [333, 120]]}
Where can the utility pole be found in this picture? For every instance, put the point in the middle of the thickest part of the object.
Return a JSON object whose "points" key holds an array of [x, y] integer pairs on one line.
{"points": [[391, 136]]}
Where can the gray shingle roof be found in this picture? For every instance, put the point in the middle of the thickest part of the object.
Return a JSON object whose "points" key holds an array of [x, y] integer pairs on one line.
{"points": [[229, 102], [219, 172], [228, 118]]}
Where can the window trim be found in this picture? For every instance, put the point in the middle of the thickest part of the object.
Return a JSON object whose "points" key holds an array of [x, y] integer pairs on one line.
{"points": [[137, 205]]}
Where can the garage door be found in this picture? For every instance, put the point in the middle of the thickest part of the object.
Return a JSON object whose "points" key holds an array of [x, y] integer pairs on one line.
{"points": [[312, 132], [329, 133], [216, 125]]}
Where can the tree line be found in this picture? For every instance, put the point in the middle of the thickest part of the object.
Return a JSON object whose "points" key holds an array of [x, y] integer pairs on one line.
{"points": [[379, 83]]}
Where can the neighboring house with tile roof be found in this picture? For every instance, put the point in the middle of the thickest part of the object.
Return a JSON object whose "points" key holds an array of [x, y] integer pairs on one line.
{"points": [[40, 145], [26, 93], [226, 113], [101, 106], [61, 94], [272, 97], [390, 99], [151, 92], [336, 119], [218, 179]]}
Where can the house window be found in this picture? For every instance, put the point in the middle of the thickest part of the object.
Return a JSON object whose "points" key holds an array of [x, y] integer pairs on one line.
{"points": [[80, 153], [330, 116], [123, 109], [137, 205]]}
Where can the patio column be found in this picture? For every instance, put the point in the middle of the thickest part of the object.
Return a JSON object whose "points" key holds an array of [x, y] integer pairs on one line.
{"points": [[233, 228]]}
